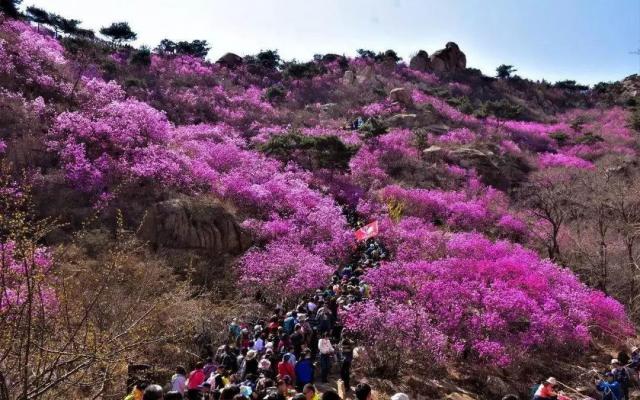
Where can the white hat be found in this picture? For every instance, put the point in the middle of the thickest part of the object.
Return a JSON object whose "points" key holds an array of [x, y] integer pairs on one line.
{"points": [[264, 364], [552, 381], [251, 354], [615, 361], [399, 396]]}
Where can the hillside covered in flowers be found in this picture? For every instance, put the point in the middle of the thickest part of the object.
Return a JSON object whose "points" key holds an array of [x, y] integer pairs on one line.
{"points": [[149, 197]]}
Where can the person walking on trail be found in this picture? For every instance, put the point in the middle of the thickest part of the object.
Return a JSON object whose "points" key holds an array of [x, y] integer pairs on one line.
{"points": [[179, 380], [304, 371], [326, 355], [610, 388], [235, 330], [346, 351], [196, 378], [250, 364], [621, 375], [297, 340], [285, 368], [546, 390]]}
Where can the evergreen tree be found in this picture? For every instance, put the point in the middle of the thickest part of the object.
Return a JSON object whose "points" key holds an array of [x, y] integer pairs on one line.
{"points": [[38, 15], [504, 71], [119, 32], [10, 7]]}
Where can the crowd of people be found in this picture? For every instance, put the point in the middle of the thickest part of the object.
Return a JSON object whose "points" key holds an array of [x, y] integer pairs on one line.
{"points": [[613, 384], [283, 356]]}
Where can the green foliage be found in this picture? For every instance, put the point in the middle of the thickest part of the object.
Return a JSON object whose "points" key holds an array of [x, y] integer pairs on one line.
{"points": [[634, 119], [500, 109], [462, 103], [570, 85], [589, 139], [119, 32], [275, 93], [577, 123], [10, 7], [310, 151], [38, 15], [387, 55], [141, 57], [372, 127], [504, 71], [303, 70], [560, 137], [366, 53], [195, 48]]}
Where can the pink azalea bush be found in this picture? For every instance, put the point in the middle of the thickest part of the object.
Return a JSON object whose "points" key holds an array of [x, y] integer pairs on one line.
{"points": [[496, 300], [25, 278], [563, 160]]}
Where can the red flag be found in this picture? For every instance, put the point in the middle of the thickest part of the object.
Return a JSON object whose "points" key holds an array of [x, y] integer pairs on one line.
{"points": [[367, 231]]}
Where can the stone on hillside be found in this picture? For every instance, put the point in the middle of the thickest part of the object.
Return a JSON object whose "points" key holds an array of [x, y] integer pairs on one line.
{"points": [[500, 171], [230, 60], [199, 224], [420, 61], [349, 77], [449, 59], [365, 74], [402, 120], [440, 129], [402, 96]]}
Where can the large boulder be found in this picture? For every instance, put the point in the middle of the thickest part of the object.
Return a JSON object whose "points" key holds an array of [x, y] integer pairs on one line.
{"points": [[195, 224], [503, 172], [420, 61], [449, 59], [230, 60], [402, 96]]}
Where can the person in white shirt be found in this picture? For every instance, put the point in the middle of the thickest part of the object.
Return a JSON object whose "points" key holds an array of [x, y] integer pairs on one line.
{"points": [[326, 356], [179, 379]]}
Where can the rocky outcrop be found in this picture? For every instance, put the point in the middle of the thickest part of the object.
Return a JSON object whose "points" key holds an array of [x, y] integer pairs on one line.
{"points": [[503, 172], [420, 61], [449, 59], [402, 96], [196, 224], [230, 60]]}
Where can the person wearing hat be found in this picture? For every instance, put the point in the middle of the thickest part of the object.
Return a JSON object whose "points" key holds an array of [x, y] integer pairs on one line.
{"points": [[546, 390], [250, 363], [264, 367], [621, 375], [610, 388]]}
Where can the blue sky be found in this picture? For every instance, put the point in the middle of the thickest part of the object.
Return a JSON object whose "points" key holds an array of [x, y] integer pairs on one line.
{"points": [[585, 40]]}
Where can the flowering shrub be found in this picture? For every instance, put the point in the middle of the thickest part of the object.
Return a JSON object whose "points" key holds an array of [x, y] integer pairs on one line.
{"points": [[563, 160], [18, 269], [284, 270], [30, 58], [494, 299]]}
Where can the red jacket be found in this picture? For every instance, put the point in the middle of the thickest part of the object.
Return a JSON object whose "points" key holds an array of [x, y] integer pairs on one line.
{"points": [[285, 368], [196, 378]]}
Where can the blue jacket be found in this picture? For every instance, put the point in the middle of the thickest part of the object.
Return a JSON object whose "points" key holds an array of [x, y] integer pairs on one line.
{"points": [[304, 371], [611, 391], [288, 324]]}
